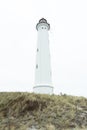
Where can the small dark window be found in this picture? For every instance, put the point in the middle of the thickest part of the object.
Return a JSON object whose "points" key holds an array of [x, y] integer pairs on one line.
{"points": [[36, 66], [37, 49], [42, 27]]}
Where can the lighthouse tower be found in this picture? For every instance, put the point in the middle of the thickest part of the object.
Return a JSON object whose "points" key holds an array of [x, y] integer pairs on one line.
{"points": [[43, 81]]}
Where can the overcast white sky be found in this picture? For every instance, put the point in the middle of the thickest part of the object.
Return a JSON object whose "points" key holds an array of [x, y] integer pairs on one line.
{"points": [[68, 44]]}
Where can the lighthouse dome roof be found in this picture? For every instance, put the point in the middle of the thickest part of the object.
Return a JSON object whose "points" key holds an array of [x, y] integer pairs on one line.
{"points": [[42, 22]]}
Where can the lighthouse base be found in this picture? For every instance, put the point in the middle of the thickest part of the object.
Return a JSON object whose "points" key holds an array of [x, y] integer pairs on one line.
{"points": [[43, 89]]}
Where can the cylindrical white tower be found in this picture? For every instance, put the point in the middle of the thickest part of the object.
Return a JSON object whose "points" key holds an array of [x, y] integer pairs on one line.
{"points": [[43, 81]]}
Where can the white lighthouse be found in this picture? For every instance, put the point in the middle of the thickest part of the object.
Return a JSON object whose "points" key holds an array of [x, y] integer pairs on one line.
{"points": [[43, 77]]}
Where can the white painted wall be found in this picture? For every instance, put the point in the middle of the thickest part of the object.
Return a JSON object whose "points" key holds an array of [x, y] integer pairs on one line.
{"points": [[43, 81]]}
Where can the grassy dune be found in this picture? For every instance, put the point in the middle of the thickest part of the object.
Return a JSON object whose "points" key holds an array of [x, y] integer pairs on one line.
{"points": [[21, 111]]}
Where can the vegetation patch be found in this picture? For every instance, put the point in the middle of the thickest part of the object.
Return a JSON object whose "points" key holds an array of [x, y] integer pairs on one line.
{"points": [[29, 111]]}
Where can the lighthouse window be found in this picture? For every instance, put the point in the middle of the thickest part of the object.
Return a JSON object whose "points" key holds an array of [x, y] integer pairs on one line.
{"points": [[36, 66], [37, 49], [50, 73]]}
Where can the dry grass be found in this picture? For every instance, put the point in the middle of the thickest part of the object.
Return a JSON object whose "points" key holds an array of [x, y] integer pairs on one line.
{"points": [[55, 112]]}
